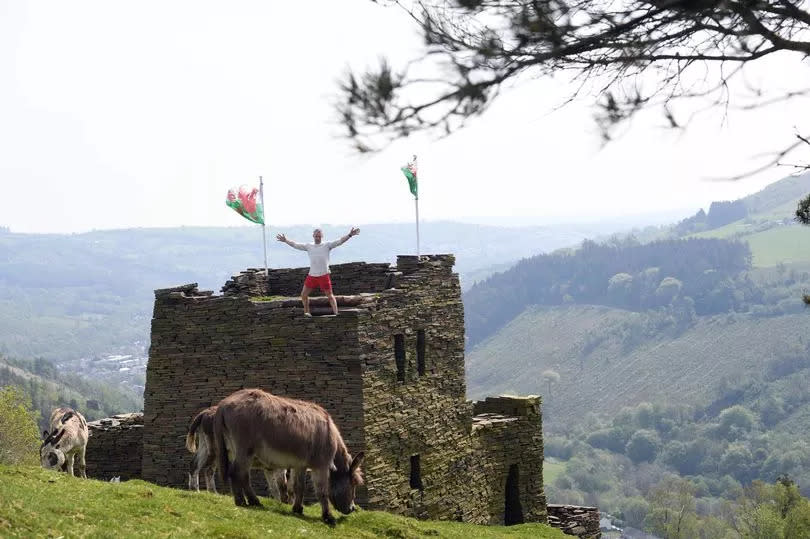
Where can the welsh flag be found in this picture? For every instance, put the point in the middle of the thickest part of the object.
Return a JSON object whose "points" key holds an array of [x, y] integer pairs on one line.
{"points": [[410, 173], [245, 202]]}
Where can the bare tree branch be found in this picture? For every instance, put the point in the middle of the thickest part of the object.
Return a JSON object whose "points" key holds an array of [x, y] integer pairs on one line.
{"points": [[639, 53]]}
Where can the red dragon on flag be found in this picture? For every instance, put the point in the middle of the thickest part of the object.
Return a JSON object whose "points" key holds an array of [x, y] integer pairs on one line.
{"points": [[245, 202]]}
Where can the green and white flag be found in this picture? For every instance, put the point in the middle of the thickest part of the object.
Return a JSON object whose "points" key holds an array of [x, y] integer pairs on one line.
{"points": [[410, 173]]}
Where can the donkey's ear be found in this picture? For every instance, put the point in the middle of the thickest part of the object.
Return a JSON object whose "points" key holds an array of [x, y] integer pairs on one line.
{"points": [[58, 437], [45, 434], [357, 461]]}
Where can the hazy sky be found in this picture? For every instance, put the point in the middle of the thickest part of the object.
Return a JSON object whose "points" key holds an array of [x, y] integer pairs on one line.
{"points": [[137, 114]]}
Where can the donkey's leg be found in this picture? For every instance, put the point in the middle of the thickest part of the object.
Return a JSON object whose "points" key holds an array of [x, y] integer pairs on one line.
{"points": [[288, 478], [272, 486], [194, 474], [210, 482], [208, 468], [252, 499], [82, 463], [69, 464], [280, 476], [237, 476], [299, 481], [320, 479]]}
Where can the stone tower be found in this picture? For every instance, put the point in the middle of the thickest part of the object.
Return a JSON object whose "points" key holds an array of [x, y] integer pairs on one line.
{"points": [[389, 369]]}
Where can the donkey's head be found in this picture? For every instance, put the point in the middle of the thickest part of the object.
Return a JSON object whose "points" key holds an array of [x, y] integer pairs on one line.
{"points": [[342, 484], [50, 455]]}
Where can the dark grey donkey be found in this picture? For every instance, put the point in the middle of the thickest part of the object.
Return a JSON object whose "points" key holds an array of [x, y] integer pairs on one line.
{"points": [[252, 425]]}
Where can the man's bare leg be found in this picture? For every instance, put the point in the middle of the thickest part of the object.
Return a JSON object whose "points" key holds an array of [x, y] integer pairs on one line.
{"points": [[332, 300], [305, 292]]}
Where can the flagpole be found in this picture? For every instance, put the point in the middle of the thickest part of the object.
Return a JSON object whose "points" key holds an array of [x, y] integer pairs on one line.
{"points": [[264, 214], [416, 203]]}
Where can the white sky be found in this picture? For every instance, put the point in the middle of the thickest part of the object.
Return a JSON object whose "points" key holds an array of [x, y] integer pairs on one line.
{"points": [[140, 114]]}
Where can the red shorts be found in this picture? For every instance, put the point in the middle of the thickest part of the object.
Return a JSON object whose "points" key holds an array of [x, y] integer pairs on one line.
{"points": [[321, 281]]}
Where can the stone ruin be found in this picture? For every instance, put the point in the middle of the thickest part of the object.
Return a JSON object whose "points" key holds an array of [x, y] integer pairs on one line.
{"points": [[115, 448], [389, 369]]}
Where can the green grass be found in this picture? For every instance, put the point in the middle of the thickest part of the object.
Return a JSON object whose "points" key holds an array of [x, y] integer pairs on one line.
{"points": [[725, 232], [787, 244], [40, 503], [552, 468]]}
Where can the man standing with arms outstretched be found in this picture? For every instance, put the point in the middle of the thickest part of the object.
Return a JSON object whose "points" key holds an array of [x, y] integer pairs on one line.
{"points": [[318, 265]]}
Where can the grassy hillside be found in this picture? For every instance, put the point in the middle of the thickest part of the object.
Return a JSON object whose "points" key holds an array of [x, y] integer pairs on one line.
{"points": [[38, 503], [786, 190], [769, 228], [784, 244], [588, 347]]}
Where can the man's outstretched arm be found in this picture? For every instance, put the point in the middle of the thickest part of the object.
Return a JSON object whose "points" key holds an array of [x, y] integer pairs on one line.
{"points": [[353, 232], [283, 239]]}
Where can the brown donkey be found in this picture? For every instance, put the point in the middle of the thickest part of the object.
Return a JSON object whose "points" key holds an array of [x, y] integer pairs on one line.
{"points": [[253, 426]]}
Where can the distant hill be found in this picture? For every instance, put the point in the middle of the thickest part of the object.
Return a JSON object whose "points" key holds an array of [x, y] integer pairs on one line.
{"points": [[773, 198], [764, 220], [69, 296]]}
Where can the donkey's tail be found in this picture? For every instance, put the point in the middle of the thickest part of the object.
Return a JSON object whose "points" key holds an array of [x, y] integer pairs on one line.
{"points": [[191, 437], [220, 447]]}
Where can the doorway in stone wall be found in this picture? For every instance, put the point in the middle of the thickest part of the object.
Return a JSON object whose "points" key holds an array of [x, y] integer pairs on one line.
{"points": [[513, 513]]}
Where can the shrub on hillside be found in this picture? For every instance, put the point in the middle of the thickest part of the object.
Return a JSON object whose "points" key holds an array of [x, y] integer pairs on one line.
{"points": [[634, 511], [738, 462], [735, 421], [686, 457], [19, 436], [590, 476], [613, 439], [558, 446], [643, 446]]}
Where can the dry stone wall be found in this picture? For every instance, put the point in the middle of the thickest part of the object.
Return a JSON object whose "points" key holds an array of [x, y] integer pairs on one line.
{"points": [[350, 278], [115, 447], [463, 467], [508, 439], [575, 520], [409, 414]]}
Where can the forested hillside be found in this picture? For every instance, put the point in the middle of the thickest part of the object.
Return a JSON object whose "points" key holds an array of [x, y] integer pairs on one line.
{"points": [[48, 389], [607, 358], [685, 277]]}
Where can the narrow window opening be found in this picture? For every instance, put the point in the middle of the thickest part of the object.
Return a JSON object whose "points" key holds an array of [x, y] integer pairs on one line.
{"points": [[513, 512], [420, 351], [416, 472], [399, 356]]}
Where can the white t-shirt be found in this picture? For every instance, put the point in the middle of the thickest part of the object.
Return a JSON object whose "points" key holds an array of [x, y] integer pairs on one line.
{"points": [[318, 255]]}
